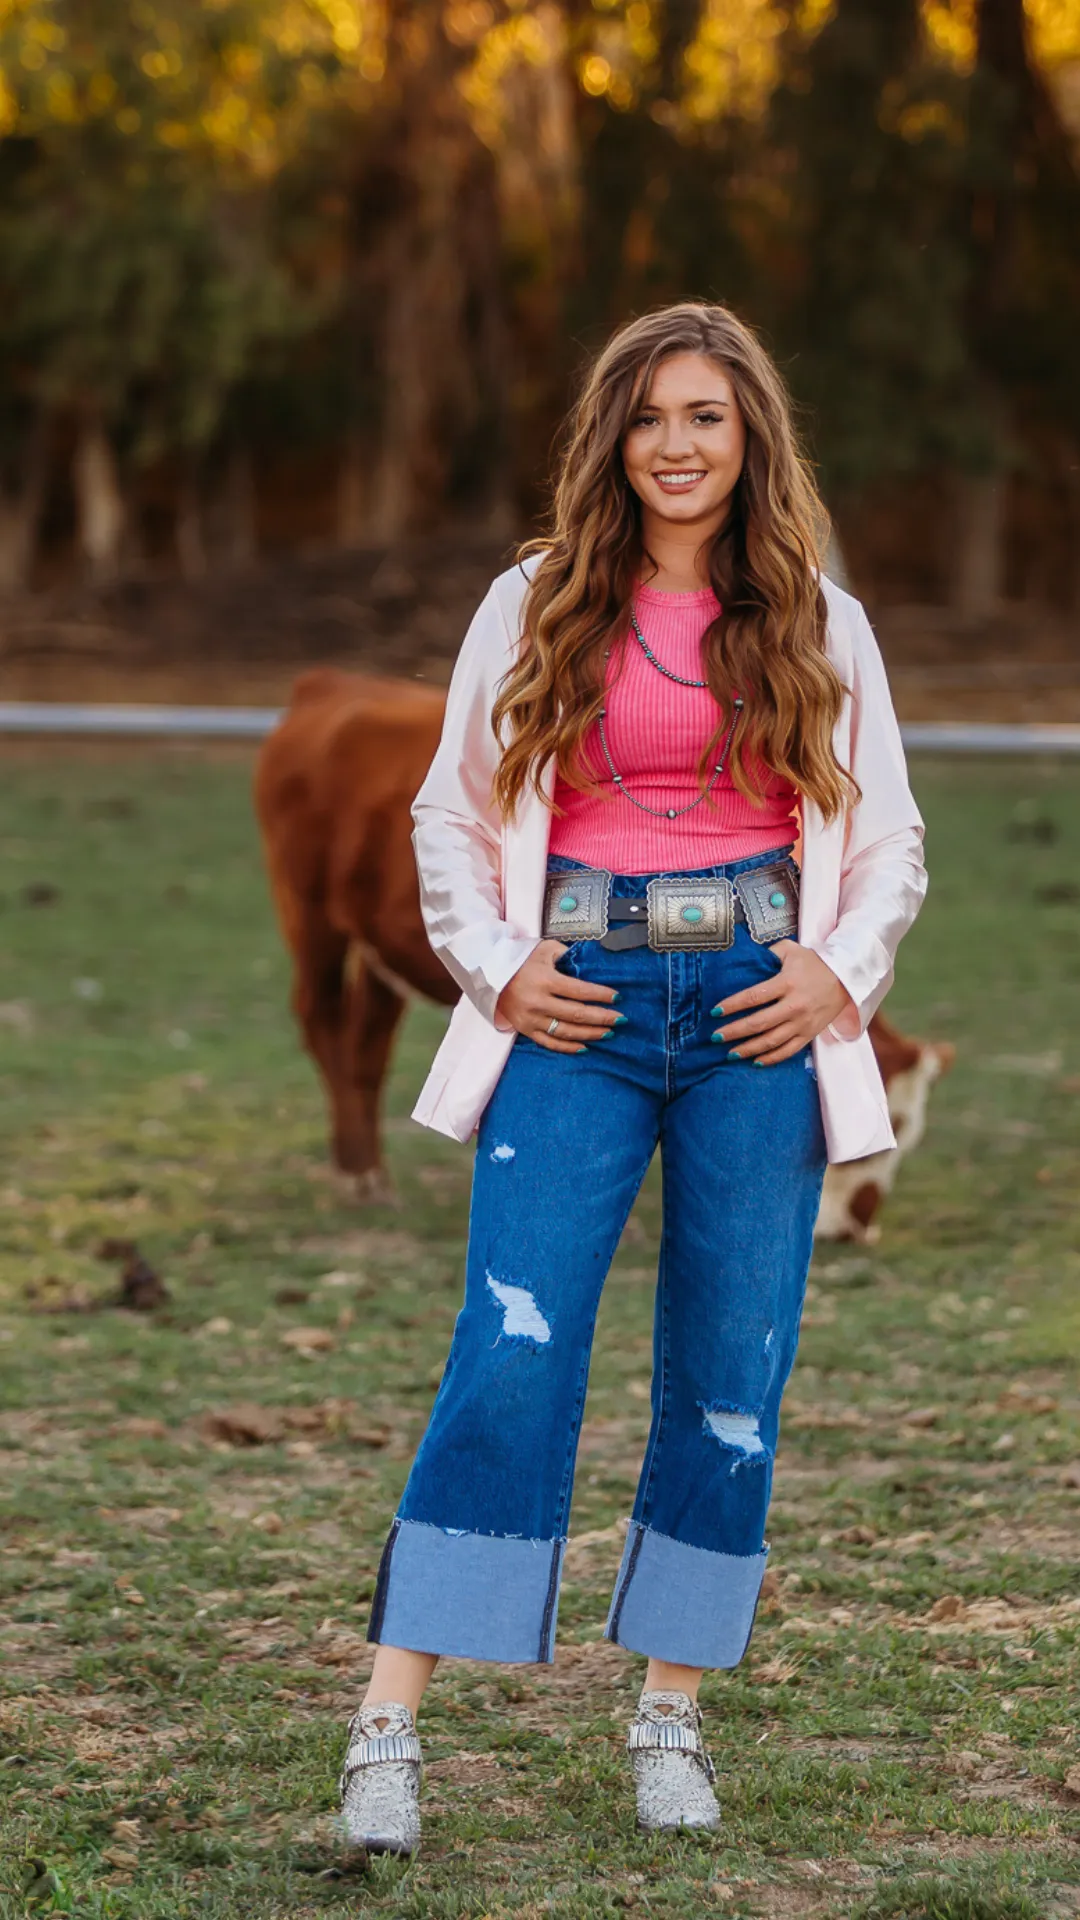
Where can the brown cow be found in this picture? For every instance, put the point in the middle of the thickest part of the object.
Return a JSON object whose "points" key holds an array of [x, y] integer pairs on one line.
{"points": [[333, 789]]}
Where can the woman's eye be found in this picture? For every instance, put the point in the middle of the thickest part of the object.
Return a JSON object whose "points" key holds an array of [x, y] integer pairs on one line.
{"points": [[645, 420], [709, 419]]}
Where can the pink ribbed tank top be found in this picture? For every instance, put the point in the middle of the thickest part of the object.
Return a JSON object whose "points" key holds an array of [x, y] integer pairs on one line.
{"points": [[656, 731]]}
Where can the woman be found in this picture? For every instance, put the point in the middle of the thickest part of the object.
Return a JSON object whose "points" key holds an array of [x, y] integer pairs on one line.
{"points": [[648, 716]]}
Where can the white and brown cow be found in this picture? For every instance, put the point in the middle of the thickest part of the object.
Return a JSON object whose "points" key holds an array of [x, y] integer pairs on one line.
{"points": [[853, 1192]]}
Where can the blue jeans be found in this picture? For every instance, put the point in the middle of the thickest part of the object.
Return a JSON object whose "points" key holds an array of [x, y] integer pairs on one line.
{"points": [[472, 1563]]}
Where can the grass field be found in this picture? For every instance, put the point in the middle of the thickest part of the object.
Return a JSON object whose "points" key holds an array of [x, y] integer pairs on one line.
{"points": [[182, 1610]]}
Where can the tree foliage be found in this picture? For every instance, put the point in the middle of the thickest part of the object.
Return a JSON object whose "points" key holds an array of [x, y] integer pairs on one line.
{"points": [[389, 231]]}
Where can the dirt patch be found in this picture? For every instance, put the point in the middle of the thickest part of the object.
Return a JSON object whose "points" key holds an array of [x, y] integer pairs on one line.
{"points": [[586, 1553], [465, 1769], [1039, 1543], [787, 1903], [241, 637], [950, 1615]]}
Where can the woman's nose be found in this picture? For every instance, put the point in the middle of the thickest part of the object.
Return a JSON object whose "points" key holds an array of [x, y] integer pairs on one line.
{"points": [[675, 442]]}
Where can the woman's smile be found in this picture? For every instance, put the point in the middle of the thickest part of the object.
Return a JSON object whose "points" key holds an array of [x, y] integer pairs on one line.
{"points": [[680, 482]]}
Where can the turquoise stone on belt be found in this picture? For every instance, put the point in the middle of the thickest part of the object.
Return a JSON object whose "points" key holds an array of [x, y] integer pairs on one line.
{"points": [[778, 899], [568, 903], [690, 913]]}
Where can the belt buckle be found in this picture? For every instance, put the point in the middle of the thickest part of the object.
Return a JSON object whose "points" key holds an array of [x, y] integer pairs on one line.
{"points": [[770, 900], [576, 905], [689, 914]]}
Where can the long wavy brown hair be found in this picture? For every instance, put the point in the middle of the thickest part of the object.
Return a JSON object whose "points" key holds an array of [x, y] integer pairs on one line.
{"points": [[769, 640]]}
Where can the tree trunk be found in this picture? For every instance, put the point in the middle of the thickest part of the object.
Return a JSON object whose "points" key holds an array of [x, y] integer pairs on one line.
{"points": [[352, 516], [241, 535], [428, 245], [20, 509], [1024, 219], [980, 544], [99, 502], [190, 537], [1003, 52], [1070, 461]]}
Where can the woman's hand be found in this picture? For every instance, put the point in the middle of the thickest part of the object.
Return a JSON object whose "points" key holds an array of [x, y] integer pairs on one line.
{"points": [[538, 994], [784, 1014]]}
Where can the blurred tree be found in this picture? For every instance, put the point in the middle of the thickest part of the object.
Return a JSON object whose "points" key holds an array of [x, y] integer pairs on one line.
{"points": [[424, 287], [652, 211], [867, 137], [1024, 303], [139, 282], [522, 93]]}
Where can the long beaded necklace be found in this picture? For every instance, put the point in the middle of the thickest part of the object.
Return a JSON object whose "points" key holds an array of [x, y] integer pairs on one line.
{"points": [[658, 664], [665, 813]]}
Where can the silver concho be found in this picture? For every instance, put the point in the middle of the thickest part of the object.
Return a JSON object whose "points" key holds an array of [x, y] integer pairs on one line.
{"points": [[576, 905], [770, 917], [688, 914]]}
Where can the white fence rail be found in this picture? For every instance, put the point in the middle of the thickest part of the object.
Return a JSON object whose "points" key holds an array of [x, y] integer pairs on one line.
{"points": [[254, 723], [191, 723], [976, 736]]}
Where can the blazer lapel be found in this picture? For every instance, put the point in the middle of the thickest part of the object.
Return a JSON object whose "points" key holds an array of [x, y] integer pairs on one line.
{"points": [[524, 857]]}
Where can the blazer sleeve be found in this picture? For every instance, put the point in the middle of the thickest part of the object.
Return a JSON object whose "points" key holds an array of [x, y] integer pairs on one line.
{"points": [[457, 836], [883, 875]]}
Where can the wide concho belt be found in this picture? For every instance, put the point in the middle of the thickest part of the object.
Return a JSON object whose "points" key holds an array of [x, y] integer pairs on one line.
{"points": [[680, 914]]}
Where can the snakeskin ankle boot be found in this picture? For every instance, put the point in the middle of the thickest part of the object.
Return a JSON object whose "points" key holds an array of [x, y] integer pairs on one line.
{"points": [[380, 1780], [672, 1771]]}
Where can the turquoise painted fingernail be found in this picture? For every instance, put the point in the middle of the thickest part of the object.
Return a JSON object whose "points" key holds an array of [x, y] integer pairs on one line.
{"points": [[716, 1038], [719, 1008], [620, 1019], [614, 993], [735, 1051], [606, 1034]]}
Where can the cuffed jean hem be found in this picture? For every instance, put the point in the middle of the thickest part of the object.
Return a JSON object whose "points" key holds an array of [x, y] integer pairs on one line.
{"points": [[474, 1596], [684, 1604]]}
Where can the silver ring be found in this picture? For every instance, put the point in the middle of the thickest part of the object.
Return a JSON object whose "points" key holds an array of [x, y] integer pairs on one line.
{"points": [[552, 1024]]}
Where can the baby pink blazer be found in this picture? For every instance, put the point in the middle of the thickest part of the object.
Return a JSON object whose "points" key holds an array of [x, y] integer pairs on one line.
{"points": [[482, 879]]}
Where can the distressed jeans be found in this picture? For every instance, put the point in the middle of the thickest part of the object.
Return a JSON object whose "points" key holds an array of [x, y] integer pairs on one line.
{"points": [[472, 1563]]}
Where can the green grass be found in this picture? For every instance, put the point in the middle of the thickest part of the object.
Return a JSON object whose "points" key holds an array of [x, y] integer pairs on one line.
{"points": [[182, 1619]]}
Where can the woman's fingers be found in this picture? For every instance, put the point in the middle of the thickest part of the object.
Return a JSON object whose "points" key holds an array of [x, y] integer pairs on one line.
{"points": [[569, 1035], [784, 1052], [768, 1045], [577, 1024], [568, 988], [539, 994], [581, 1007], [750, 998], [770, 1016], [579, 1021], [554, 1044], [582, 1003], [582, 1015]]}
